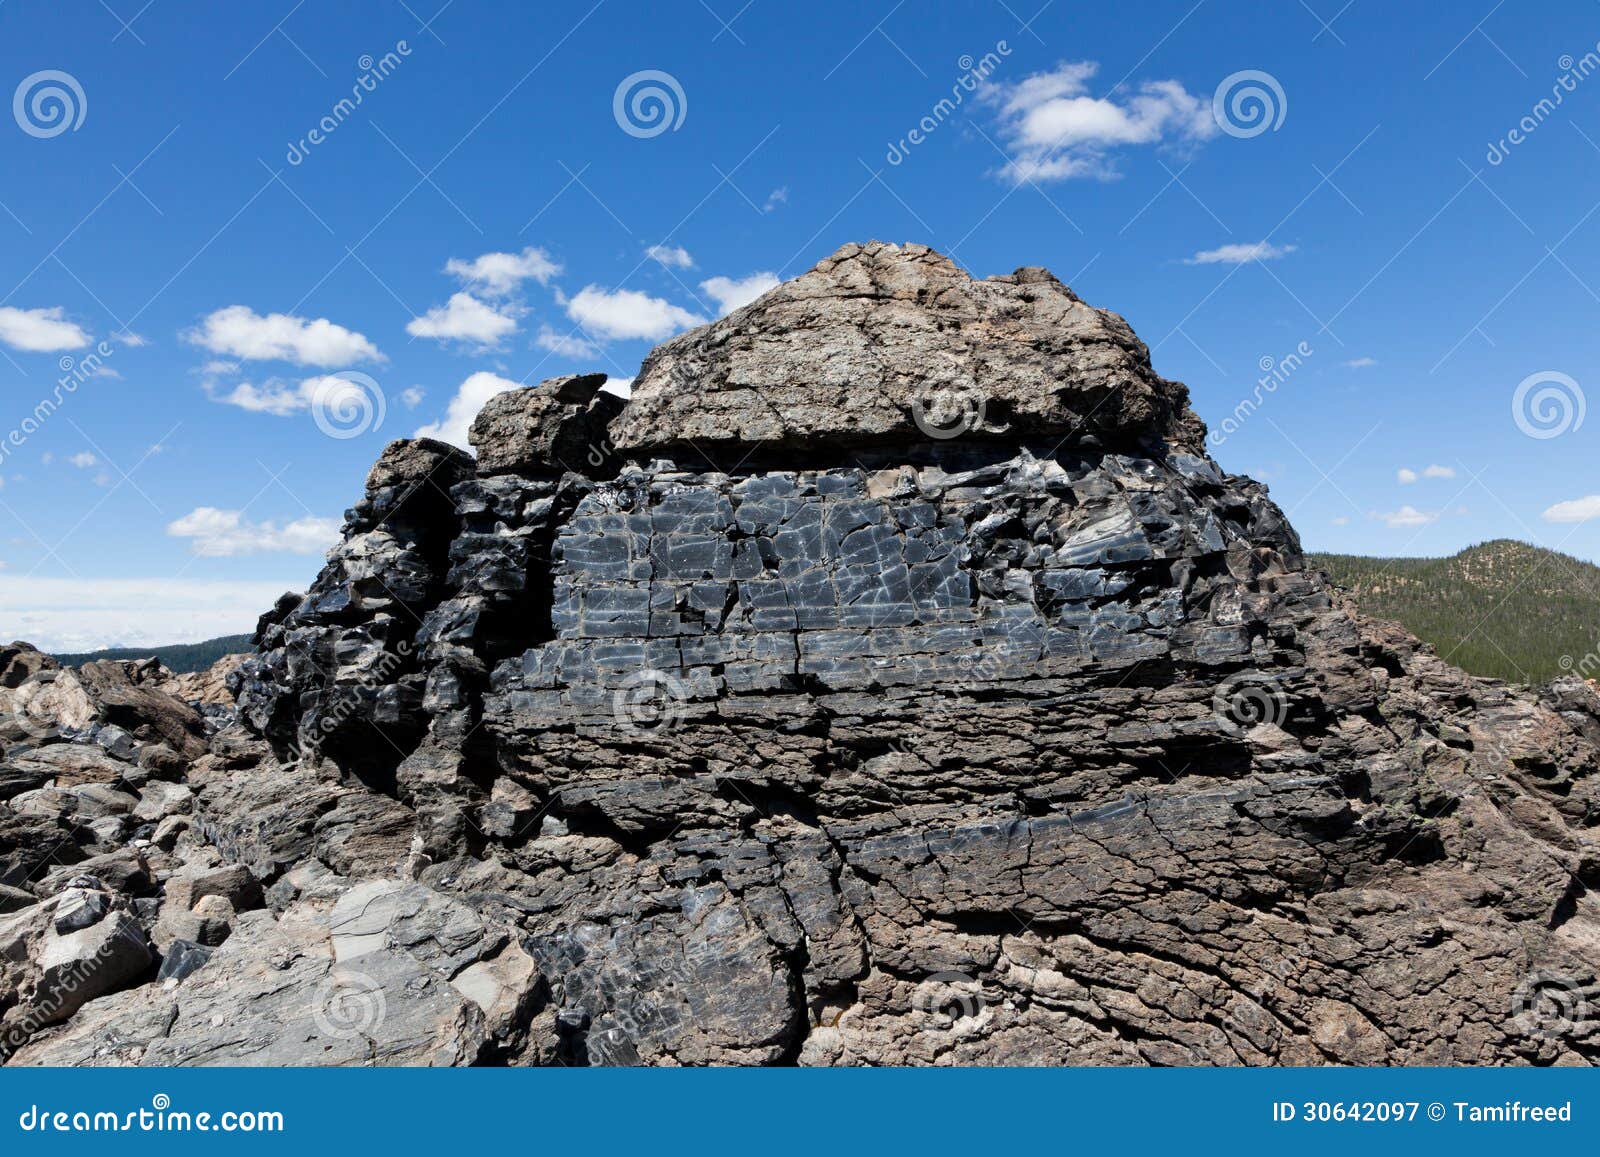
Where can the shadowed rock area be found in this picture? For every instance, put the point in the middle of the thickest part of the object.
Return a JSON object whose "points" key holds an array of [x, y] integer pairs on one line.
{"points": [[894, 680]]}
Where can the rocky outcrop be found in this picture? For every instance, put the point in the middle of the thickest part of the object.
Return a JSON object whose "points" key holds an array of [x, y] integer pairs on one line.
{"points": [[1033, 745], [887, 345]]}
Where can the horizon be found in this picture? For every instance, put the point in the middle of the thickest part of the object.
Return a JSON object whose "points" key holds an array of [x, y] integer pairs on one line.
{"points": [[1363, 254]]}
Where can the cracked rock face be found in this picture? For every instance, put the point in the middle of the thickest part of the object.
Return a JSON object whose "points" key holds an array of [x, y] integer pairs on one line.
{"points": [[880, 344], [1032, 746]]}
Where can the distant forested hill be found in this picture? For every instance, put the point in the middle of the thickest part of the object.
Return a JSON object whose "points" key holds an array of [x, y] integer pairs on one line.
{"points": [[1504, 609], [179, 658]]}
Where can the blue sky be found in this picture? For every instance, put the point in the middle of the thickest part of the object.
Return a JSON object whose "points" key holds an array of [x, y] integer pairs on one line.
{"points": [[486, 215]]}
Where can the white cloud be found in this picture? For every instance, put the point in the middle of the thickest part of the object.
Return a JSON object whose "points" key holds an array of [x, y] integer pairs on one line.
{"points": [[1406, 516], [240, 332], [730, 294], [273, 397], [1057, 131], [1407, 476], [775, 198], [569, 345], [464, 319], [626, 313], [464, 407], [1360, 363], [281, 398], [622, 387], [218, 533], [411, 397], [1341, 520], [40, 330], [132, 340], [84, 460], [672, 256], [1238, 254], [68, 614], [499, 274], [1583, 509]]}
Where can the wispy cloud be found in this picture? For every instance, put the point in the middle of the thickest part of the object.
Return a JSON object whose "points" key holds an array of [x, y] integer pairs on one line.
{"points": [[1239, 254], [1359, 363], [672, 256], [1406, 516], [1406, 476], [1584, 509], [282, 398], [57, 613], [567, 345], [500, 274], [216, 533]]}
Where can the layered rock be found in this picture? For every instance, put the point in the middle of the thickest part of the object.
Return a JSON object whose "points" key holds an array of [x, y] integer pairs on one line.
{"points": [[1036, 744]]}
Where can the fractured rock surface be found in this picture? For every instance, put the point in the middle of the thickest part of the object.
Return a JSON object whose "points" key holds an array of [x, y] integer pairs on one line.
{"points": [[1037, 745]]}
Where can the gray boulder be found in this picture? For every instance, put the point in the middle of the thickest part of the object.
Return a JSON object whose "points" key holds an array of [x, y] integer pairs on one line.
{"points": [[558, 425], [881, 344]]}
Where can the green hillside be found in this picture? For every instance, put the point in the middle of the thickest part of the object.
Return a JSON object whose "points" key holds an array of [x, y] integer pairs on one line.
{"points": [[179, 658], [1504, 609]]}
